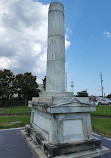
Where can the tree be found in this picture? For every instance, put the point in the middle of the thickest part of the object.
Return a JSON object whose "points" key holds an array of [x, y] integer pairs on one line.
{"points": [[6, 84], [109, 95], [44, 82], [82, 94], [26, 85]]}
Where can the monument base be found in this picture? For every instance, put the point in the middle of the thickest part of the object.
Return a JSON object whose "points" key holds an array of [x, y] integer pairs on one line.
{"points": [[80, 151], [61, 127]]}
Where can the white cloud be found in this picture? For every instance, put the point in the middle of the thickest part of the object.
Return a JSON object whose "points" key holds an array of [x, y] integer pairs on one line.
{"points": [[23, 36], [107, 34], [8, 62], [68, 30], [2, 30], [67, 43], [36, 50]]}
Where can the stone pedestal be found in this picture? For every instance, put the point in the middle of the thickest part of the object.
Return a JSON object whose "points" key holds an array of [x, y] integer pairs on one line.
{"points": [[62, 125]]}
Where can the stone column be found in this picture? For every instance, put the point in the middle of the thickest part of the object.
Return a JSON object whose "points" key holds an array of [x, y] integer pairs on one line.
{"points": [[55, 76]]}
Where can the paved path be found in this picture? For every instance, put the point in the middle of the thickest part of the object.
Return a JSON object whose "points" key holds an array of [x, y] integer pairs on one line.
{"points": [[105, 142], [13, 145]]}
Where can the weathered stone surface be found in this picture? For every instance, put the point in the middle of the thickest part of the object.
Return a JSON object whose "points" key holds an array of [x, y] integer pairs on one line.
{"points": [[72, 108], [72, 134], [63, 127], [62, 149], [55, 78], [42, 99], [63, 97], [56, 94], [68, 107], [83, 100], [92, 152]]}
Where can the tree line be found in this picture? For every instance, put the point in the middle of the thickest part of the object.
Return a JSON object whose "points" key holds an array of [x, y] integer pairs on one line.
{"points": [[24, 85]]}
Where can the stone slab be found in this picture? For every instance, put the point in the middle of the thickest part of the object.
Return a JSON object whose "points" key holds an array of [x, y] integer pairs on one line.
{"points": [[67, 148], [42, 99], [71, 108], [56, 94], [63, 108], [83, 154], [87, 154], [72, 134]]}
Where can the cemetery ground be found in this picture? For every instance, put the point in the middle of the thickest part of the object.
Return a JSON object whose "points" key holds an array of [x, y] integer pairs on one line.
{"points": [[19, 116], [101, 120], [14, 116]]}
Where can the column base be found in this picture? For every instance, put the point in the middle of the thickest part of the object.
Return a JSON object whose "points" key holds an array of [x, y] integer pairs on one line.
{"points": [[85, 149]]}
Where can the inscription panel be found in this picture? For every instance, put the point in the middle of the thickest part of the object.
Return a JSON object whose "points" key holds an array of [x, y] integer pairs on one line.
{"points": [[72, 130]]}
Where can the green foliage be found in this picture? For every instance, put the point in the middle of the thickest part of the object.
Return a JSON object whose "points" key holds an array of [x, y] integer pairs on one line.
{"points": [[82, 94], [5, 121], [6, 84], [26, 85], [102, 125], [109, 95], [102, 110]]}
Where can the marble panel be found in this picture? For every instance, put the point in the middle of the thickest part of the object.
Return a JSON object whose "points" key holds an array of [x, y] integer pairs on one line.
{"points": [[72, 130]]}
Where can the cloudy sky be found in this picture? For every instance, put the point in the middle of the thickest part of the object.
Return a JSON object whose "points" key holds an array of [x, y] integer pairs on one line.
{"points": [[23, 40]]}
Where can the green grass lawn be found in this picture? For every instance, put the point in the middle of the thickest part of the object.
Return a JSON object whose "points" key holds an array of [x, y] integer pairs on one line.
{"points": [[5, 121], [102, 110], [102, 125], [14, 110]]}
